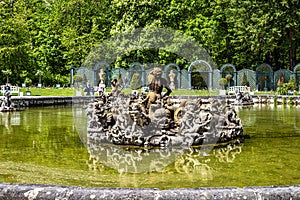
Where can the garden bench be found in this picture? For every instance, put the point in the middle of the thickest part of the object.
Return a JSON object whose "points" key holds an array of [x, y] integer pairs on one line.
{"points": [[13, 90]]}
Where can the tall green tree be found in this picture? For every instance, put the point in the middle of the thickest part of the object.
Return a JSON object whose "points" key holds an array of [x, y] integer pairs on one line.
{"points": [[14, 42], [50, 35]]}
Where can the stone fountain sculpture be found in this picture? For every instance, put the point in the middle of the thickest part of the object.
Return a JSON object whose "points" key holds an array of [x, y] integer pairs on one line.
{"points": [[243, 98], [159, 120], [6, 103]]}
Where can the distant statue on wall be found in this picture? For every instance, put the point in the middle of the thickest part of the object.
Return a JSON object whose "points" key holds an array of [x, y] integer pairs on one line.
{"points": [[280, 80], [87, 89], [102, 76], [172, 79]]}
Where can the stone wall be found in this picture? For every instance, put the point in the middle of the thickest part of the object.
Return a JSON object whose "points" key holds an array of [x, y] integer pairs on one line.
{"points": [[56, 100], [31, 192]]}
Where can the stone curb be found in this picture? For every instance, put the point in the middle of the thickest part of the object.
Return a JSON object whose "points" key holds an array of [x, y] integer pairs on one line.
{"points": [[45, 192]]}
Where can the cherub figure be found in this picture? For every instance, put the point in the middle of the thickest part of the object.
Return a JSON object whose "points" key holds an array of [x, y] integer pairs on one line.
{"points": [[156, 84]]}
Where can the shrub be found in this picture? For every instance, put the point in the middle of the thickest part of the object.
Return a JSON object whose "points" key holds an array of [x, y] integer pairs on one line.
{"points": [[286, 87], [77, 78], [223, 82]]}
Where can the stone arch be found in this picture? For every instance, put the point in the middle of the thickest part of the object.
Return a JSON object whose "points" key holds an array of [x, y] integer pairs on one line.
{"points": [[178, 74], [231, 71], [264, 77], [297, 75], [85, 73], [207, 69], [296, 67]]}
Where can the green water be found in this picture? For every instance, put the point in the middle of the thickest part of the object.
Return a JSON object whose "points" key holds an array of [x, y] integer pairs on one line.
{"points": [[44, 146]]}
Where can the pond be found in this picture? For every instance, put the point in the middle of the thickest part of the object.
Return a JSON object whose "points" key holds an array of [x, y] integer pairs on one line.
{"points": [[47, 145]]}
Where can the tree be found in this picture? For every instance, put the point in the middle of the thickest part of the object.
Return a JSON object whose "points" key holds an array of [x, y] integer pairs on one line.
{"points": [[51, 35], [39, 73], [244, 80], [23, 75], [14, 38], [7, 73], [223, 82]]}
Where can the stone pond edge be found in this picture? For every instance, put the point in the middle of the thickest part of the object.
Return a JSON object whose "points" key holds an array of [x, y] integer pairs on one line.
{"points": [[27, 191]]}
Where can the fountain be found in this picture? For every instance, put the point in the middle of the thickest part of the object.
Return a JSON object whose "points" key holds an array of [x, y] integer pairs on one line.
{"points": [[243, 99], [157, 120], [5, 103]]}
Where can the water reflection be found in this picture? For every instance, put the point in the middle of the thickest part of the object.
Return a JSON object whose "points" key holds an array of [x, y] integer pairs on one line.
{"points": [[41, 145], [9, 119], [189, 161], [270, 120]]}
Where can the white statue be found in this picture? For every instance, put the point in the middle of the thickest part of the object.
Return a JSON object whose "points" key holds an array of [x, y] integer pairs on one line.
{"points": [[102, 76], [172, 79]]}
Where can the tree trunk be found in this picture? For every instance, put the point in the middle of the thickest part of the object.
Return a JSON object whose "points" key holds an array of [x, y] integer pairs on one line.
{"points": [[292, 51]]}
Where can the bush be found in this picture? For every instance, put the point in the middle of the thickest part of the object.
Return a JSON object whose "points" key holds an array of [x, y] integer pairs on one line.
{"points": [[286, 87], [223, 82], [28, 81]]}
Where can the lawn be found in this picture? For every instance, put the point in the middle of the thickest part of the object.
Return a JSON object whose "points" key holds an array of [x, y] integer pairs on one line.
{"points": [[71, 92], [49, 91]]}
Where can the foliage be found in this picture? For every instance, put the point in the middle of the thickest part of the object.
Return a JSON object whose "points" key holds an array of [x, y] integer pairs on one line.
{"points": [[53, 35], [286, 88], [291, 100], [39, 73], [223, 82], [77, 78], [198, 81], [28, 81], [292, 82], [7, 73], [23, 75]]}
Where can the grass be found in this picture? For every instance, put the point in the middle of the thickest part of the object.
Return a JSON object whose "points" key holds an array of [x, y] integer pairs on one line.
{"points": [[71, 92], [49, 91], [194, 93]]}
